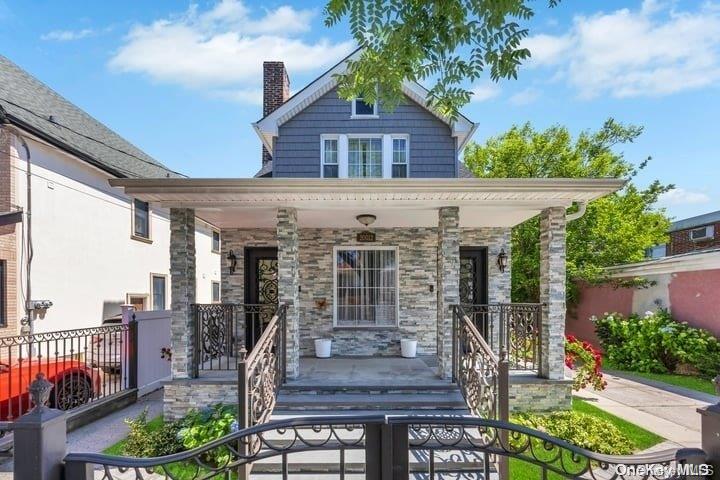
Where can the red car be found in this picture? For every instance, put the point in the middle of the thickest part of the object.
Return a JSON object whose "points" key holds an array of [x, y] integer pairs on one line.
{"points": [[74, 384]]}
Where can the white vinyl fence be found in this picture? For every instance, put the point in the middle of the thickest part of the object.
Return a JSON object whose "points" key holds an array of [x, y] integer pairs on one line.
{"points": [[153, 336]]}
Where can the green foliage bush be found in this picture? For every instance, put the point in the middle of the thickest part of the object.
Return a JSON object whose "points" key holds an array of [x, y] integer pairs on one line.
{"points": [[655, 343], [580, 429], [144, 441], [197, 428], [203, 426]]}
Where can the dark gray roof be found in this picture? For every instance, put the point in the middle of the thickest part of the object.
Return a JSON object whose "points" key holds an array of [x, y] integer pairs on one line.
{"points": [[265, 170], [693, 222], [464, 172], [30, 104]]}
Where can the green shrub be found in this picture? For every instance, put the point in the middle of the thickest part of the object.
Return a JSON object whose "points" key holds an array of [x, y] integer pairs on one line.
{"points": [[581, 429], [143, 441], [202, 426], [655, 343]]}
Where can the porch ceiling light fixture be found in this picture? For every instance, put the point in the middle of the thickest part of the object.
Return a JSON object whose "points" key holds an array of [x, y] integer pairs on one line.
{"points": [[502, 260], [366, 219], [231, 261]]}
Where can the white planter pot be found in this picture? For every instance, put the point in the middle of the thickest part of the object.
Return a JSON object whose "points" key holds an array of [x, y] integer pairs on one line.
{"points": [[323, 347], [408, 348]]}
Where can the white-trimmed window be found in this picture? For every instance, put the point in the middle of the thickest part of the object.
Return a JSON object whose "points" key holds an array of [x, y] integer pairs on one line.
{"points": [[371, 155], [365, 286], [329, 155], [215, 291], [158, 284], [215, 241], [360, 109], [400, 156], [365, 157], [141, 220]]}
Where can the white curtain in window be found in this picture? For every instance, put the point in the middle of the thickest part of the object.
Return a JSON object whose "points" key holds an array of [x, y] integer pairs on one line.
{"points": [[366, 287]]}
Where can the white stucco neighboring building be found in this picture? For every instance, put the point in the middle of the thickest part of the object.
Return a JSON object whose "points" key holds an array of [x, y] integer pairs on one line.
{"points": [[93, 248]]}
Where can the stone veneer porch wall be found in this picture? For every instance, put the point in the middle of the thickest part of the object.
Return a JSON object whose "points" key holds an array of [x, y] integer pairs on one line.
{"points": [[418, 271]]}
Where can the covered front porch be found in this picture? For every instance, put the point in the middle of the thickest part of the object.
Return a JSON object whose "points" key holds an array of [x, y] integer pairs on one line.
{"points": [[300, 244]]}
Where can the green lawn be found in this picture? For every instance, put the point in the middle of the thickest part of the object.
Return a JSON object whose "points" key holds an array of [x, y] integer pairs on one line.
{"points": [[698, 384], [639, 437]]}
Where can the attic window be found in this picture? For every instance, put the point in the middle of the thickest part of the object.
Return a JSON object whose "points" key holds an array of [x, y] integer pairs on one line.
{"points": [[361, 109]]}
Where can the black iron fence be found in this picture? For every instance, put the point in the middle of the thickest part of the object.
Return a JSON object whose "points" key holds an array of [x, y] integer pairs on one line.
{"points": [[388, 447], [262, 372], [223, 329], [516, 326], [83, 365]]}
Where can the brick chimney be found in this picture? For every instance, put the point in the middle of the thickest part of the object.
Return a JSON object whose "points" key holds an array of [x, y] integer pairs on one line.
{"points": [[276, 90]]}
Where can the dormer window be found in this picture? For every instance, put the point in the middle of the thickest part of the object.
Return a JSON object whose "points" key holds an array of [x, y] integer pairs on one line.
{"points": [[360, 109]]}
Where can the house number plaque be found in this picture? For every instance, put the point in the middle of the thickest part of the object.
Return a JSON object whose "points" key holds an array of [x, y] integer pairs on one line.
{"points": [[365, 236]]}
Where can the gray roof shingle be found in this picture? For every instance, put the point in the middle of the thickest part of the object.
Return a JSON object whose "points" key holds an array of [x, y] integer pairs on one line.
{"points": [[30, 104]]}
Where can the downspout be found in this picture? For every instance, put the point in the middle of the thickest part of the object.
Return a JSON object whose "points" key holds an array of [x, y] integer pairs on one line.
{"points": [[28, 220], [582, 207], [28, 320]]}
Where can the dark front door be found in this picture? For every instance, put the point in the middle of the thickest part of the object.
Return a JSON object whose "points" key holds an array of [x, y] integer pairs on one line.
{"points": [[473, 275], [473, 287], [261, 291]]}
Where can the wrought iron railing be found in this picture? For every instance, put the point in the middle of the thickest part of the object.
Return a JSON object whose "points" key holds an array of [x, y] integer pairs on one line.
{"points": [[477, 369], [223, 329], [262, 372], [514, 325], [84, 365], [483, 376], [394, 447]]}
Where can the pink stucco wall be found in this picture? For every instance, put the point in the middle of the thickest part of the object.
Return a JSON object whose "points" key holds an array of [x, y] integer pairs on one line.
{"points": [[695, 298], [596, 300]]}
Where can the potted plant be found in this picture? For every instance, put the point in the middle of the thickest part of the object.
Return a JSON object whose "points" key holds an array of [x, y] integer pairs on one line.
{"points": [[323, 347], [408, 348]]}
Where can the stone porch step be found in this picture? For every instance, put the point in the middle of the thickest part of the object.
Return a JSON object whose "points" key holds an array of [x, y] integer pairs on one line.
{"points": [[368, 389], [441, 400]]}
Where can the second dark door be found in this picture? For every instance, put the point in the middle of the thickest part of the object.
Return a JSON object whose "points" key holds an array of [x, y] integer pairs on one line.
{"points": [[261, 291]]}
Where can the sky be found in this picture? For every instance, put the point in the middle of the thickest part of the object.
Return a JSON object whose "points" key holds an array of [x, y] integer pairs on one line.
{"points": [[182, 80]]}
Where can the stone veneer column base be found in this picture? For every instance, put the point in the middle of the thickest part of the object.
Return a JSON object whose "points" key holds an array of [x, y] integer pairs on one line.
{"points": [[533, 394], [181, 396]]}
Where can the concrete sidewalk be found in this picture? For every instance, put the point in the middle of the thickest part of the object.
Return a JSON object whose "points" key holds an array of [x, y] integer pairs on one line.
{"points": [[668, 414]]}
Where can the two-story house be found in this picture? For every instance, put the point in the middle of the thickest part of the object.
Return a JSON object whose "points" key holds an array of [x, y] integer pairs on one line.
{"points": [[363, 223], [72, 248]]}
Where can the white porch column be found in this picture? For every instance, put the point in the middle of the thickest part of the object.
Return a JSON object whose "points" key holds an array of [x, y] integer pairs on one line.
{"points": [[448, 290], [182, 281], [288, 283], [552, 292]]}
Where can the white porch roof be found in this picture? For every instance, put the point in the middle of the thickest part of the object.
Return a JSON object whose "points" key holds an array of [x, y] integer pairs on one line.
{"points": [[334, 203]]}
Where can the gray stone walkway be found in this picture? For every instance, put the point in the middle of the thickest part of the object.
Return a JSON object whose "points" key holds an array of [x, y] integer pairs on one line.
{"points": [[661, 411]]}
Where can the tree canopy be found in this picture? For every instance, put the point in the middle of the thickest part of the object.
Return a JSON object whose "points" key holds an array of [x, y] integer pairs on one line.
{"points": [[448, 41], [615, 229]]}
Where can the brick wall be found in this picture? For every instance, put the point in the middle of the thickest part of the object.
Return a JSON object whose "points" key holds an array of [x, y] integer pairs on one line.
{"points": [[276, 90], [8, 235], [680, 241]]}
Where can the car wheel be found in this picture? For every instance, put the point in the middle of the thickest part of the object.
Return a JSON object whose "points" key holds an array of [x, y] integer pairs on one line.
{"points": [[71, 391]]}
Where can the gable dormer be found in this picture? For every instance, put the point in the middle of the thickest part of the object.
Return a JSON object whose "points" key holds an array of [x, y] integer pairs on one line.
{"points": [[315, 133]]}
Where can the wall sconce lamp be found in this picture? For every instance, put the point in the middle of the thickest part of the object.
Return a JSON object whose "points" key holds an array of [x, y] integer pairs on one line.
{"points": [[502, 260], [231, 261]]}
